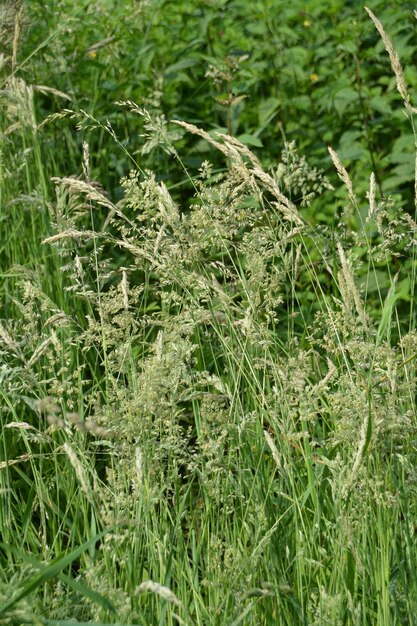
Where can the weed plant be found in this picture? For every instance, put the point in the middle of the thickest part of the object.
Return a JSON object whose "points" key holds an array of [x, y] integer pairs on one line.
{"points": [[260, 70], [208, 407]]}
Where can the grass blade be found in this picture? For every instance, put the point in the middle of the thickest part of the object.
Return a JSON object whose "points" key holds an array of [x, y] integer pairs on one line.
{"points": [[52, 570]]}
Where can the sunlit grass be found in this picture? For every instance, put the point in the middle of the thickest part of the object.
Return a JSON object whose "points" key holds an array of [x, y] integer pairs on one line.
{"points": [[207, 408]]}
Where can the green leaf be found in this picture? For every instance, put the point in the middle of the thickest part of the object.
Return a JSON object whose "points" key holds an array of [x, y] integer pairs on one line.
{"points": [[180, 65], [343, 99], [250, 140], [387, 310], [266, 110], [375, 281], [380, 104], [350, 148]]}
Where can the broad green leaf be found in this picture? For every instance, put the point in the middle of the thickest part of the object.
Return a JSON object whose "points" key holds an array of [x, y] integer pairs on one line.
{"points": [[380, 104], [250, 140], [344, 98]]}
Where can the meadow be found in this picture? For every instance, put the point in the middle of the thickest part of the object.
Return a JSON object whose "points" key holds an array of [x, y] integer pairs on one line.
{"points": [[208, 345]]}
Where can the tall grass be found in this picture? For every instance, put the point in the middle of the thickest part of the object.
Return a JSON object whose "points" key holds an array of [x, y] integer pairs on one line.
{"points": [[208, 410]]}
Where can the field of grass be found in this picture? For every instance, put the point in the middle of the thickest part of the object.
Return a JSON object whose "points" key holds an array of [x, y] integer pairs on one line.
{"points": [[208, 344]]}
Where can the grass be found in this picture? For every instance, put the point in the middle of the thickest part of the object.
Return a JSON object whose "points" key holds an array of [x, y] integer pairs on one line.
{"points": [[207, 397]]}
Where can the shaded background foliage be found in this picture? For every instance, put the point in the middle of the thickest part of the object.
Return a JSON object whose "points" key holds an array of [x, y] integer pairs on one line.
{"points": [[266, 71]]}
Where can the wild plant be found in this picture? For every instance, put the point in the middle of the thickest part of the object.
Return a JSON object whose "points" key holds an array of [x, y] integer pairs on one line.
{"points": [[219, 416]]}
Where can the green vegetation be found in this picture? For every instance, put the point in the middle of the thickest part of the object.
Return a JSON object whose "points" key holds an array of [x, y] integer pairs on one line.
{"points": [[207, 317]]}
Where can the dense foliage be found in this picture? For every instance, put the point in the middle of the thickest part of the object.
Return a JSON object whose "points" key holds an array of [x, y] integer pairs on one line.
{"points": [[207, 316]]}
